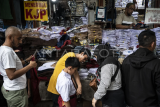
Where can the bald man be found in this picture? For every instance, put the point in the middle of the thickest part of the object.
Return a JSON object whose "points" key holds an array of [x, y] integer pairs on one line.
{"points": [[126, 20], [14, 86]]}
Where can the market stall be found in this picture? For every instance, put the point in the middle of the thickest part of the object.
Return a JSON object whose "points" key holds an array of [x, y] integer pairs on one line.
{"points": [[76, 24]]}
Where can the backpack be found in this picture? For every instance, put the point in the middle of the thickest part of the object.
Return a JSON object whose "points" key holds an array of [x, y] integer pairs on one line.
{"points": [[108, 60]]}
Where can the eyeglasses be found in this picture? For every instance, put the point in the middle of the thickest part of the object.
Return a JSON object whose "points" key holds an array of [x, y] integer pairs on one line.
{"points": [[131, 9]]}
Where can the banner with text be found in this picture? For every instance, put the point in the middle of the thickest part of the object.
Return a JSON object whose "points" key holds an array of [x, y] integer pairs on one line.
{"points": [[36, 10], [152, 16]]}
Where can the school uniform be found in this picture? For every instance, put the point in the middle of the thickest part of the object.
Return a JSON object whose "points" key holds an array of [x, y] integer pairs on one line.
{"points": [[66, 89]]}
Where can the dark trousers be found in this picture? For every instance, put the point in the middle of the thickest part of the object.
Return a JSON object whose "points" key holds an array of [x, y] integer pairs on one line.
{"points": [[113, 98], [55, 100]]}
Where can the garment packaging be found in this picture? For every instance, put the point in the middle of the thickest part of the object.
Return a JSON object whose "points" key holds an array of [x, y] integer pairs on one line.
{"points": [[57, 29], [127, 52], [82, 70], [93, 71], [45, 66], [83, 74]]}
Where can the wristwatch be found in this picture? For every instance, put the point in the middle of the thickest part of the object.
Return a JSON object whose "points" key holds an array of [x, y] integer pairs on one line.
{"points": [[26, 62]]}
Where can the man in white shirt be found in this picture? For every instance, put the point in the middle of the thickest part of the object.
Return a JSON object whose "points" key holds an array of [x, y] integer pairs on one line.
{"points": [[65, 86], [14, 86], [126, 20]]}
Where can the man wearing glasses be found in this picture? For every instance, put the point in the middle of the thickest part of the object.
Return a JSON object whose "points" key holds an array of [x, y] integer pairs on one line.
{"points": [[126, 20]]}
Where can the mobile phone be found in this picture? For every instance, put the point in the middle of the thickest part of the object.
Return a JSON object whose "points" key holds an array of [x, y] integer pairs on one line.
{"points": [[138, 24]]}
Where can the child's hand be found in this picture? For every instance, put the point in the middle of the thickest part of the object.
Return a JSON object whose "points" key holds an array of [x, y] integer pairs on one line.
{"points": [[29, 94], [79, 90]]}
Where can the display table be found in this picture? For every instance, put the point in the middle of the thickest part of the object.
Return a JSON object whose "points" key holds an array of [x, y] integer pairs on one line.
{"points": [[87, 92]]}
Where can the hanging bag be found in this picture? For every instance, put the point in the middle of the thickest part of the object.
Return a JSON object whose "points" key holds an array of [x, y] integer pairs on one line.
{"points": [[93, 83]]}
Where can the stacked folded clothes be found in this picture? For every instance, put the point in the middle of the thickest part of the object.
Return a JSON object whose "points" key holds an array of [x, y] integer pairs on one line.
{"points": [[46, 70], [83, 73], [93, 71], [110, 37]]}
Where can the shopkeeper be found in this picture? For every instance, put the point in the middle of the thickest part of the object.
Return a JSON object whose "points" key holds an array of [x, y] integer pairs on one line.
{"points": [[126, 20]]}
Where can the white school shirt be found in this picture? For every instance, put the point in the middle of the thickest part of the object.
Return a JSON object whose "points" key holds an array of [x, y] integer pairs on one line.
{"points": [[9, 59], [65, 86]]}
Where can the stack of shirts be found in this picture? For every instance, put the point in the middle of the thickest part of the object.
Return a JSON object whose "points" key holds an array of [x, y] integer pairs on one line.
{"points": [[46, 70], [45, 34], [94, 34], [83, 73], [84, 20], [110, 37], [135, 15], [71, 34], [157, 32], [139, 3], [123, 3], [134, 37], [93, 71], [123, 39], [118, 3], [55, 33]]}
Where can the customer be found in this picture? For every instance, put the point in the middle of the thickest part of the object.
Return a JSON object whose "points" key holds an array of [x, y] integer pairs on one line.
{"points": [[141, 73], [21, 56], [109, 79], [14, 86], [83, 56], [65, 86]]}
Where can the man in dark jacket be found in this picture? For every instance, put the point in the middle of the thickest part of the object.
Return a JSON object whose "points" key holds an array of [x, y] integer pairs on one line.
{"points": [[141, 74]]}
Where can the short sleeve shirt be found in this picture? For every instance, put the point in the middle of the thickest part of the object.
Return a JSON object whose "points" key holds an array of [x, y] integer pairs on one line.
{"points": [[9, 59], [123, 19], [65, 86], [58, 68]]}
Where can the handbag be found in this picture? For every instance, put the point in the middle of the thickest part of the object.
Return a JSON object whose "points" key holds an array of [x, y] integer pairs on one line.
{"points": [[93, 84]]}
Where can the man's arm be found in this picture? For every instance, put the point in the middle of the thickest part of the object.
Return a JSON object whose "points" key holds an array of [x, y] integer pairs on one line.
{"points": [[67, 104], [28, 59], [13, 74], [119, 26], [76, 76]]}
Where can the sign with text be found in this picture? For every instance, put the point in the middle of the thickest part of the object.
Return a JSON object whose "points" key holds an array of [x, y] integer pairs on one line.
{"points": [[152, 16], [36, 10]]}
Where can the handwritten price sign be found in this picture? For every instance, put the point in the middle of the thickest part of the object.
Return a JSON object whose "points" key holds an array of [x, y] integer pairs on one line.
{"points": [[36, 10]]}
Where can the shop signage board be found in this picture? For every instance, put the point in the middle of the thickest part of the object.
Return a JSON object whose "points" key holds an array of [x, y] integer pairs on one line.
{"points": [[35, 10], [152, 16]]}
